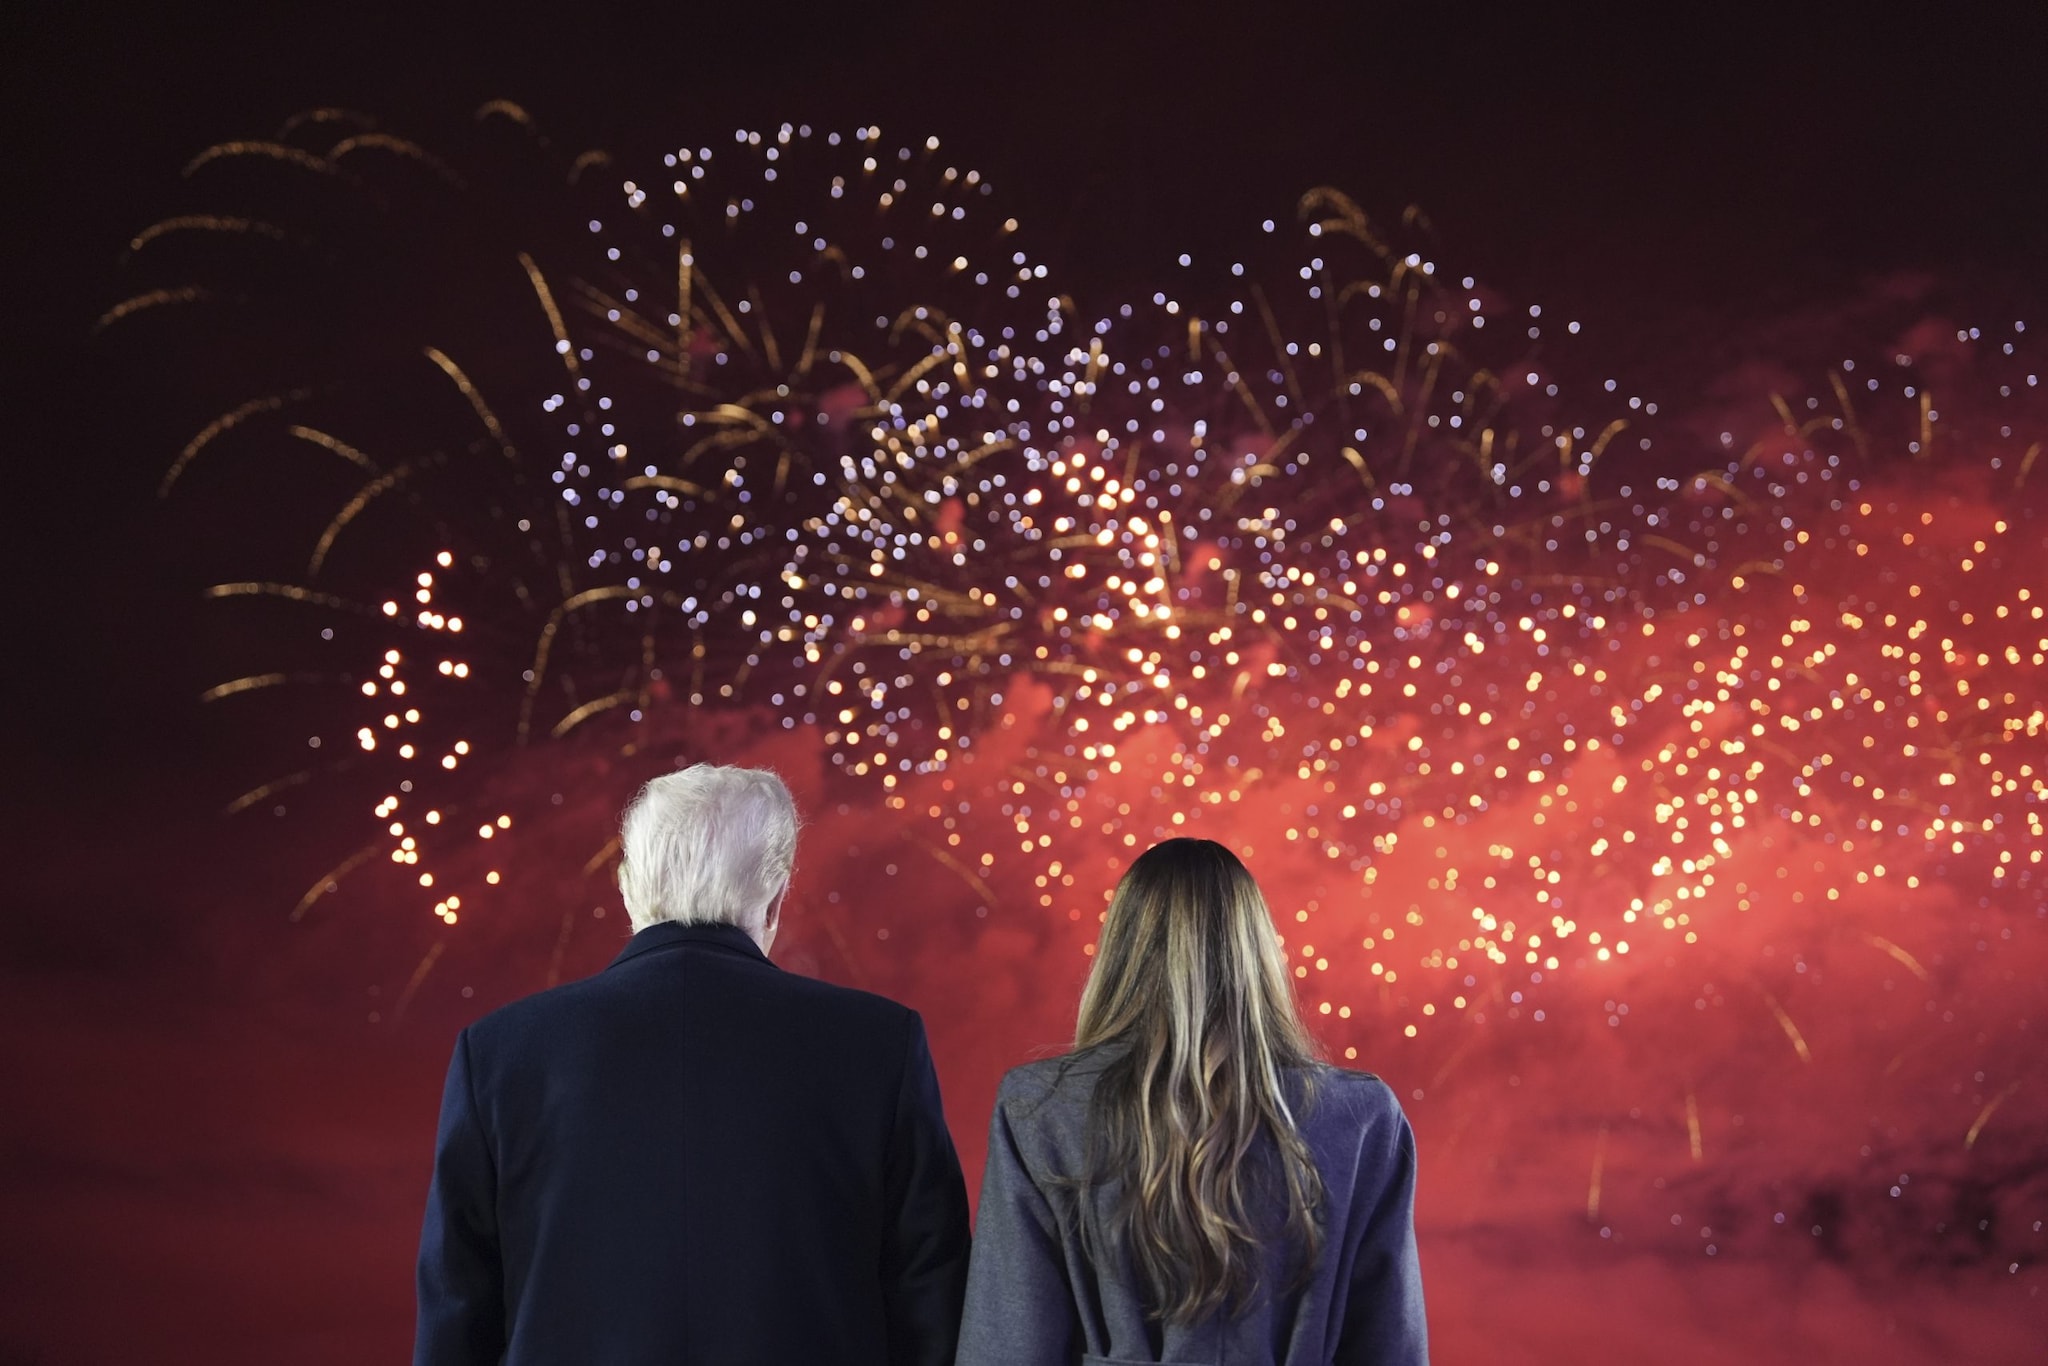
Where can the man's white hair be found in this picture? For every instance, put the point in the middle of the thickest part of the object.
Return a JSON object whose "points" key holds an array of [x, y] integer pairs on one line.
{"points": [[707, 845]]}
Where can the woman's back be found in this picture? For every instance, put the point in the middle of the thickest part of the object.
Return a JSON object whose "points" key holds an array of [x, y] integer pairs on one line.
{"points": [[1191, 1184], [1036, 1295]]}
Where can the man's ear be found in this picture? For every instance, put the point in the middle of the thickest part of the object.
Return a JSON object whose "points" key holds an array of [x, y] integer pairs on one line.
{"points": [[774, 916]]}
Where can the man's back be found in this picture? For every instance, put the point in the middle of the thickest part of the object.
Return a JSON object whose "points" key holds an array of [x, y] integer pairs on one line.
{"points": [[693, 1157]]}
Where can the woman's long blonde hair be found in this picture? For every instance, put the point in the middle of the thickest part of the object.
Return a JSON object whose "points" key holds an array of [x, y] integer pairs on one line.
{"points": [[1190, 975]]}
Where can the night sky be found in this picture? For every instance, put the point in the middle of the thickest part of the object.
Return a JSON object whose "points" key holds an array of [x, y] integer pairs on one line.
{"points": [[209, 1152]]}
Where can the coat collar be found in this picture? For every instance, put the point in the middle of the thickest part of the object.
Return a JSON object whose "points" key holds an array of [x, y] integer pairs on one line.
{"points": [[668, 935]]}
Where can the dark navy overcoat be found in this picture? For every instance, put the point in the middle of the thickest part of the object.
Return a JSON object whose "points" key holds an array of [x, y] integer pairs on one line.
{"points": [[693, 1156]]}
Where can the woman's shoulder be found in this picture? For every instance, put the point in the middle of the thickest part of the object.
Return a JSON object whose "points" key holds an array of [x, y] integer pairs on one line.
{"points": [[1356, 1087], [1052, 1091], [1341, 1100], [1064, 1074]]}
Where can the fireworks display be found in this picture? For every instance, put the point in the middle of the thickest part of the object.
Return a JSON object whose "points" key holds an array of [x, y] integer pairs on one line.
{"points": [[1604, 611], [1534, 677]]}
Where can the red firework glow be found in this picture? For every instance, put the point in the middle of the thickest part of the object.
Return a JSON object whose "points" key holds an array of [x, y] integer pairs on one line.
{"points": [[1655, 800]]}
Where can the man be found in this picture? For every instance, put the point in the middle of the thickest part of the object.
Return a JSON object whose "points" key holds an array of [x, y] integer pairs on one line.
{"points": [[694, 1156]]}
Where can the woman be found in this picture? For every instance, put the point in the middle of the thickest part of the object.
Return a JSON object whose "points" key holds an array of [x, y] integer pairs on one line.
{"points": [[1190, 1184]]}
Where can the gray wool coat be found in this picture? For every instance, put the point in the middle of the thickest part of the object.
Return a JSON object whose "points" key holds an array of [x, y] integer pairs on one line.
{"points": [[1035, 1299]]}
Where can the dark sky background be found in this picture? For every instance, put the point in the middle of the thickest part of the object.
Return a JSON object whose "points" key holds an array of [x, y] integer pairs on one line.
{"points": [[1684, 179]]}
